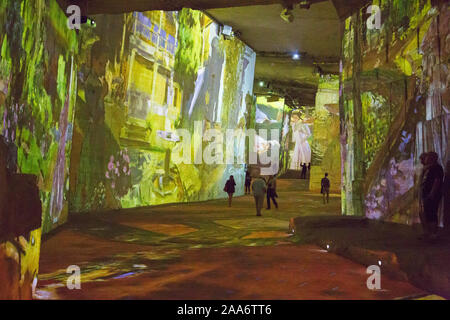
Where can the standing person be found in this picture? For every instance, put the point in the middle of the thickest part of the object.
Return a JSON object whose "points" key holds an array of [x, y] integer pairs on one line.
{"points": [[325, 189], [423, 221], [248, 182], [446, 196], [4, 187], [272, 191], [230, 189], [431, 194], [304, 168], [259, 190]]}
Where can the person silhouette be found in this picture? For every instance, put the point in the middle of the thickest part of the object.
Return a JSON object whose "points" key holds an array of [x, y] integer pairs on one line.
{"points": [[430, 194], [230, 189], [325, 189], [248, 182], [272, 192], [259, 190], [446, 195], [304, 169]]}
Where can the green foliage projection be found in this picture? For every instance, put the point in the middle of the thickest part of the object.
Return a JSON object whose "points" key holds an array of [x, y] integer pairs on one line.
{"points": [[187, 59], [35, 72]]}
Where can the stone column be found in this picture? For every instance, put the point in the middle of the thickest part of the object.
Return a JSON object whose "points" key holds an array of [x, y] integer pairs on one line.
{"points": [[358, 146]]}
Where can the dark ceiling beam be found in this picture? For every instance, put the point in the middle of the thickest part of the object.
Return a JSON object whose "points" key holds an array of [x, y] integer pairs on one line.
{"points": [[288, 85], [300, 73], [91, 7], [299, 94], [304, 56], [346, 8]]}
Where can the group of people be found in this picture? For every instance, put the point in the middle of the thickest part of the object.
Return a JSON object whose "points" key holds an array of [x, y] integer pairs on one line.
{"points": [[305, 169], [261, 188], [431, 189]]}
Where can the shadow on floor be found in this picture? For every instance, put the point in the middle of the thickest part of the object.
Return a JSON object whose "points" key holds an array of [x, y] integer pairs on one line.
{"points": [[397, 247]]}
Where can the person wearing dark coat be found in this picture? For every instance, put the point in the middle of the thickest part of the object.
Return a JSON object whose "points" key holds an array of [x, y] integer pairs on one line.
{"points": [[304, 169], [446, 196], [248, 182], [230, 189], [272, 192], [431, 190], [325, 183]]}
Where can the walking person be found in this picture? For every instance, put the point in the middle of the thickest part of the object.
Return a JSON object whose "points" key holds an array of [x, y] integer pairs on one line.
{"points": [[248, 182], [272, 191], [430, 194], [259, 190], [325, 190], [230, 189]]}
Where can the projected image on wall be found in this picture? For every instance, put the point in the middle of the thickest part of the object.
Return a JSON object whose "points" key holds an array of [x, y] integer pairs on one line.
{"points": [[133, 79], [138, 162], [301, 153], [182, 72], [269, 115]]}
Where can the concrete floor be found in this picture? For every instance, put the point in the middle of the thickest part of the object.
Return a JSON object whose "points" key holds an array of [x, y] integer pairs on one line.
{"points": [[205, 251]]}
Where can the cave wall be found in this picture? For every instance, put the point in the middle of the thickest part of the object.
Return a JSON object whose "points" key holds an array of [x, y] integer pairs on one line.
{"points": [[394, 102], [106, 102], [92, 115], [38, 67], [38, 80], [325, 140], [145, 76]]}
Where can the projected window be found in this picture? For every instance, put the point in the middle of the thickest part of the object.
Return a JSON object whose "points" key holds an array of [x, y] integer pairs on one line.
{"points": [[141, 87], [160, 95], [171, 45], [162, 42], [144, 28], [155, 34]]}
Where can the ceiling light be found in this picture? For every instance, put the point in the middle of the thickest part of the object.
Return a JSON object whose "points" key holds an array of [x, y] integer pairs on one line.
{"points": [[261, 83], [88, 21], [296, 56]]}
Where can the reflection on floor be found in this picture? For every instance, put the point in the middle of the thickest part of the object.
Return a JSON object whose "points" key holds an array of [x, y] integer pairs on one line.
{"points": [[205, 251]]}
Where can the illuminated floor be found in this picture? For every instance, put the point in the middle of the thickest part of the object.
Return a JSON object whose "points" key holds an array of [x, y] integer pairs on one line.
{"points": [[205, 251]]}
